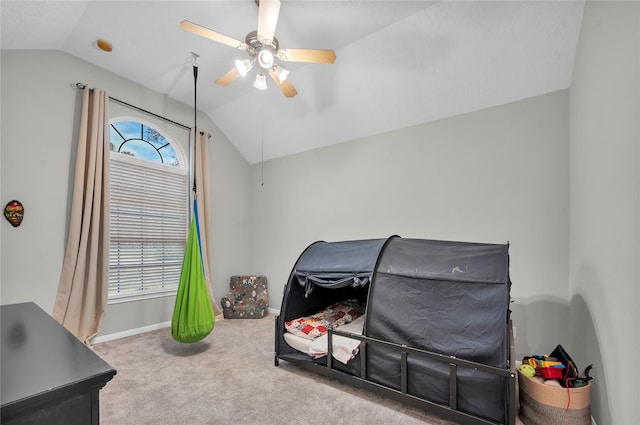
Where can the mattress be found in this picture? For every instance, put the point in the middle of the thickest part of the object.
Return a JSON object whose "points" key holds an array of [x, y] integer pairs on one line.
{"points": [[344, 349]]}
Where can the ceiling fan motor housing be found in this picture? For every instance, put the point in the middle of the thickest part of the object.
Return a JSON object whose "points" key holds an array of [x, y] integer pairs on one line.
{"points": [[264, 50]]}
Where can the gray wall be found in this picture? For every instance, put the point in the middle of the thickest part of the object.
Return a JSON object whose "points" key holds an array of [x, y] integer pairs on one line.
{"points": [[496, 175], [605, 212], [40, 109]]}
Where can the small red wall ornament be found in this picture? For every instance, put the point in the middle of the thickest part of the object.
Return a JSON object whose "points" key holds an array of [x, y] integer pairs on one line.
{"points": [[14, 212]]}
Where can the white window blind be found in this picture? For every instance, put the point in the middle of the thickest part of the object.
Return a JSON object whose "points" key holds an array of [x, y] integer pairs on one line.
{"points": [[148, 227]]}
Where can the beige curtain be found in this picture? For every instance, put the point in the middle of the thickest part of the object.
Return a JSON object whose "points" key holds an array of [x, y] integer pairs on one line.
{"points": [[201, 172], [81, 301]]}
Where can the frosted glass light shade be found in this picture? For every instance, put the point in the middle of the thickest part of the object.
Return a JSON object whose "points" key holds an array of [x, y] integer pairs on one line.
{"points": [[261, 82], [281, 73], [244, 66]]}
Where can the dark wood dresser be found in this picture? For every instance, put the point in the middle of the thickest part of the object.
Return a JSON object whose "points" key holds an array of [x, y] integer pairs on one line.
{"points": [[47, 375]]}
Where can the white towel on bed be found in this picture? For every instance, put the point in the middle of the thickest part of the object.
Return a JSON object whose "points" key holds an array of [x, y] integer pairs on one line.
{"points": [[344, 349]]}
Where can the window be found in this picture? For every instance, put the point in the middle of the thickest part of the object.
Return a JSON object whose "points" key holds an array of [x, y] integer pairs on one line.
{"points": [[149, 212]]}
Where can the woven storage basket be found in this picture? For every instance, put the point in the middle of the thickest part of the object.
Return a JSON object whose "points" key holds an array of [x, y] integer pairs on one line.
{"points": [[547, 405]]}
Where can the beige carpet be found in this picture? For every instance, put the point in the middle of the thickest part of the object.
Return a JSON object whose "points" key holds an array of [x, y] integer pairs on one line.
{"points": [[229, 378]]}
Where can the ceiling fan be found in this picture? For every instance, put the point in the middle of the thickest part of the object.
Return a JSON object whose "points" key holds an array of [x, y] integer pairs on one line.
{"points": [[263, 48]]}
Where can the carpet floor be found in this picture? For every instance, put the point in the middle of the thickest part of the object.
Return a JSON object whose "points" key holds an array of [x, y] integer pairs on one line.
{"points": [[230, 378]]}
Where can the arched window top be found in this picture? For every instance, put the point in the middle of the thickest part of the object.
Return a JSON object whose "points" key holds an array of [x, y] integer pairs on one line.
{"points": [[138, 139]]}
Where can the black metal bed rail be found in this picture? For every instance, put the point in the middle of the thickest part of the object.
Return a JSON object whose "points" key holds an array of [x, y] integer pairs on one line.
{"points": [[451, 411], [406, 349]]}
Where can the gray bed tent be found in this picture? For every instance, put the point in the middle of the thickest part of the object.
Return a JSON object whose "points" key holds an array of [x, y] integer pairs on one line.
{"points": [[437, 332]]}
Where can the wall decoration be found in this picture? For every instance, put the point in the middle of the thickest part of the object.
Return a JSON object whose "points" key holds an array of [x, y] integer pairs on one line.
{"points": [[14, 212]]}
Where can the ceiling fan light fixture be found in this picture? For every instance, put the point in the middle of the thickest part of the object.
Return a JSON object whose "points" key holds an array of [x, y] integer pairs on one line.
{"points": [[263, 47], [261, 81], [244, 66], [265, 58], [281, 73]]}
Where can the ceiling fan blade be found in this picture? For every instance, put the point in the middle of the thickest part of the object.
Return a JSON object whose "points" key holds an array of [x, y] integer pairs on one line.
{"points": [[213, 35], [268, 11], [229, 77], [307, 55], [286, 87]]}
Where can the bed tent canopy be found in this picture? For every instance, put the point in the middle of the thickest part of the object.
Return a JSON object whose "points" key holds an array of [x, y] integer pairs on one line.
{"points": [[338, 264], [449, 298]]}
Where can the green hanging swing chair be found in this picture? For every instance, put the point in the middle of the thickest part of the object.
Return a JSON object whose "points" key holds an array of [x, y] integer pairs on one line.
{"points": [[193, 316]]}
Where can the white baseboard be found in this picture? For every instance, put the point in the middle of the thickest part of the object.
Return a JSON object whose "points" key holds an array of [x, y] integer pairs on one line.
{"points": [[117, 335], [129, 332]]}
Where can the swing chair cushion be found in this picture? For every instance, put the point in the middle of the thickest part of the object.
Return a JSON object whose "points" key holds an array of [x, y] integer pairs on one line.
{"points": [[247, 298]]}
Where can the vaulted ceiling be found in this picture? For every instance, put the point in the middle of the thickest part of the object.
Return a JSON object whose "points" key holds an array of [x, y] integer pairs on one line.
{"points": [[399, 63]]}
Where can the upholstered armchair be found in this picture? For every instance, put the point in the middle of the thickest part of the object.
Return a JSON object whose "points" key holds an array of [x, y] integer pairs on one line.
{"points": [[246, 299]]}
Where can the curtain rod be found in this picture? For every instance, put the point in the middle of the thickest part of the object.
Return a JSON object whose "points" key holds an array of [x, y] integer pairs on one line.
{"points": [[81, 86]]}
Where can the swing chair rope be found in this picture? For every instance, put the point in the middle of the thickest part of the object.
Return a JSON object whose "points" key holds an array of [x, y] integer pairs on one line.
{"points": [[195, 118]]}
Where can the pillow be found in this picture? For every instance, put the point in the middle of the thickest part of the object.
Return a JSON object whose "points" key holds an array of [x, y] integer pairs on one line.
{"points": [[307, 327], [311, 327]]}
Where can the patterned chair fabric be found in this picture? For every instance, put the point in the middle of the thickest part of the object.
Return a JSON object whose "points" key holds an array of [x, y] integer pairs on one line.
{"points": [[247, 298]]}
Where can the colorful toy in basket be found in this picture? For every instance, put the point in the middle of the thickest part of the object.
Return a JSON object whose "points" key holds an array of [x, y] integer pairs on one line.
{"points": [[527, 370], [545, 366]]}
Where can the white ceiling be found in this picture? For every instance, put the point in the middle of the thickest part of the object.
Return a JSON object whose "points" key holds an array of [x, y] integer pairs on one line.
{"points": [[399, 63]]}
